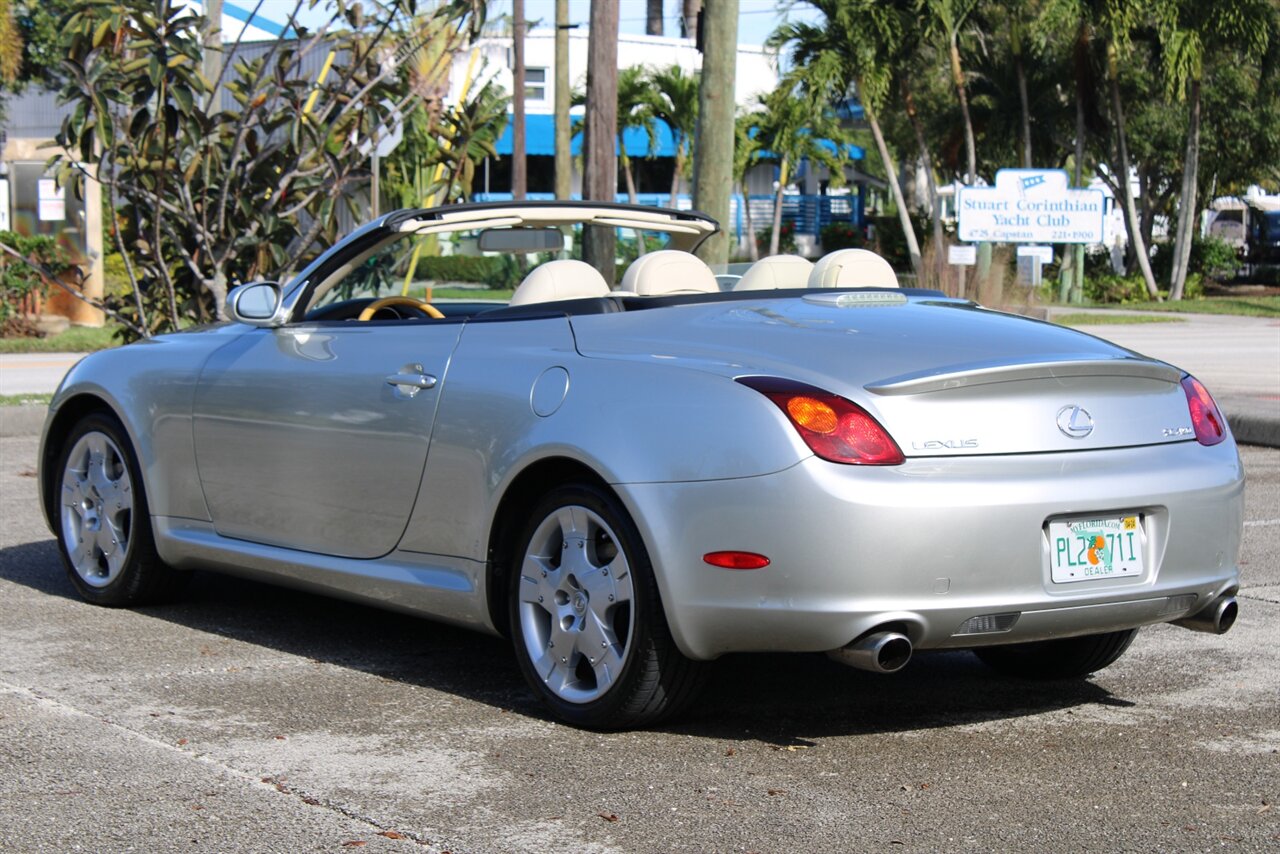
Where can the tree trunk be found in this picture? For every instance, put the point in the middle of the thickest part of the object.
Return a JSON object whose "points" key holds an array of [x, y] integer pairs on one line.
{"points": [[775, 237], [653, 18], [211, 56], [1081, 56], [753, 251], [1130, 211], [519, 164], [926, 160], [1026, 111], [713, 138], [962, 93], [627, 172], [689, 18], [564, 161], [1187, 208], [677, 168], [904, 216], [600, 162]]}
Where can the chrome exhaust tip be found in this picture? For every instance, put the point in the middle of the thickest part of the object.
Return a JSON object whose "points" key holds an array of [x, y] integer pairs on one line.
{"points": [[881, 652], [1216, 618]]}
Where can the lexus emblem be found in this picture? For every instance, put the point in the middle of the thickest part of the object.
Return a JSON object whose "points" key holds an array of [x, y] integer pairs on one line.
{"points": [[1075, 421]]}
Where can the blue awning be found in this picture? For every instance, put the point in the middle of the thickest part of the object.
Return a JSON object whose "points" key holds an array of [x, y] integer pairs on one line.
{"points": [[540, 138]]}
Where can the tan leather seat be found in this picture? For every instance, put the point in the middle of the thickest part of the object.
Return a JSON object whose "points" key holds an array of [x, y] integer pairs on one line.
{"points": [[669, 271], [852, 268], [776, 271], [560, 280]]}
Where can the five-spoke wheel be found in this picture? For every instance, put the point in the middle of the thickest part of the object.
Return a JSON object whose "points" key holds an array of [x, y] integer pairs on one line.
{"points": [[104, 530], [586, 619]]}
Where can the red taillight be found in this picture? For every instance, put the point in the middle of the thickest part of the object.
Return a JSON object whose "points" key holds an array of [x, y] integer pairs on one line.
{"points": [[736, 560], [1206, 418], [833, 428]]}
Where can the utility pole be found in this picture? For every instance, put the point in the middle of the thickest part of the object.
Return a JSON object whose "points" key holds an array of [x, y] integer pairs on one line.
{"points": [[600, 166], [519, 163], [713, 140], [564, 162], [211, 54]]}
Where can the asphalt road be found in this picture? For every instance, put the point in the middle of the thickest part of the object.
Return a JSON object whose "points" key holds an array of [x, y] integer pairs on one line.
{"points": [[249, 718]]}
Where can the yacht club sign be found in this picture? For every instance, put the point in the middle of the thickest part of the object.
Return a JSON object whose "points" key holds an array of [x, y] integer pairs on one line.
{"points": [[1030, 206]]}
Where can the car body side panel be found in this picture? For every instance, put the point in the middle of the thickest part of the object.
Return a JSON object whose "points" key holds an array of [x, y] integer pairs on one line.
{"points": [[149, 385], [443, 588], [301, 441], [934, 542], [627, 421]]}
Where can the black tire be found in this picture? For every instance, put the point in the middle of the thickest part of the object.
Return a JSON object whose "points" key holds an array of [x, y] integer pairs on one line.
{"points": [[650, 680], [135, 576], [1067, 658]]}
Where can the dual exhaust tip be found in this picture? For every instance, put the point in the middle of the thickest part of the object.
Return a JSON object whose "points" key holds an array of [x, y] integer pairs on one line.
{"points": [[889, 652]]}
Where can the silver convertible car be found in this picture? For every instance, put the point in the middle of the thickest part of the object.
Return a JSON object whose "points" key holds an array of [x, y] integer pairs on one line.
{"points": [[632, 482]]}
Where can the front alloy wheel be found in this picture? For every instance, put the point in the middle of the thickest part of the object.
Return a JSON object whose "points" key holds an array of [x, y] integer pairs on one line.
{"points": [[586, 619], [104, 526]]}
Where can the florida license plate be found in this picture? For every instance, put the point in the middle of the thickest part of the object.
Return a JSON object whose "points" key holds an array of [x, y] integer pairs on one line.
{"points": [[1088, 549]]}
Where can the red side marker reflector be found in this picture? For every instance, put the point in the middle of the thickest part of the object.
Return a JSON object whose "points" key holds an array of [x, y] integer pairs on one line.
{"points": [[736, 560]]}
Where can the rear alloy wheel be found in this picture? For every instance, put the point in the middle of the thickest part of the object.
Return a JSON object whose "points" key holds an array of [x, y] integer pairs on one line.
{"points": [[586, 619], [1066, 658], [104, 529]]}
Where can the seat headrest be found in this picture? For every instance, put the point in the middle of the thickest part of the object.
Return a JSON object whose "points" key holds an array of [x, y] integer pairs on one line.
{"points": [[776, 271], [669, 271], [852, 268], [559, 280]]}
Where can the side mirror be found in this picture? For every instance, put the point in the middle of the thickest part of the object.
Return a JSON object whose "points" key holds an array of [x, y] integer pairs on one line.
{"points": [[255, 303]]}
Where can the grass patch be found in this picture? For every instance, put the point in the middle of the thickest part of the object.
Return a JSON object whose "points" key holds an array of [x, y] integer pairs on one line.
{"points": [[77, 339], [1100, 319], [25, 399], [1257, 306]]}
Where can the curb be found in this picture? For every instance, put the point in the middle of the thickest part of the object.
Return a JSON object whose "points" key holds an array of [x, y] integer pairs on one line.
{"points": [[1254, 430], [1248, 428], [26, 419]]}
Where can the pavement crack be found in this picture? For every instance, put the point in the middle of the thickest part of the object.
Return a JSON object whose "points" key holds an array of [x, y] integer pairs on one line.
{"points": [[270, 783]]}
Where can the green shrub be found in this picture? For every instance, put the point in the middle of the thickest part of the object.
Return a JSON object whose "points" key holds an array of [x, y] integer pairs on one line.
{"points": [[786, 239], [494, 271], [1111, 288], [1210, 257], [22, 288], [841, 235]]}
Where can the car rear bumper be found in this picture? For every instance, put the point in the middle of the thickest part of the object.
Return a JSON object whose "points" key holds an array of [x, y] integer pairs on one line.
{"points": [[930, 544]]}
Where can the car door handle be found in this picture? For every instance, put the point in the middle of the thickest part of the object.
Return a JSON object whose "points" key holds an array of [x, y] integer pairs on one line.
{"points": [[412, 380]]}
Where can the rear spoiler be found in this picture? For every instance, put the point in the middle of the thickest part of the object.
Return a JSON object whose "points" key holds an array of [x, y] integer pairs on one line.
{"points": [[984, 373]]}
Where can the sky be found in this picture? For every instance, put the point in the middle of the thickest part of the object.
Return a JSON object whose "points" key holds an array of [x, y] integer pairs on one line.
{"points": [[756, 18]]}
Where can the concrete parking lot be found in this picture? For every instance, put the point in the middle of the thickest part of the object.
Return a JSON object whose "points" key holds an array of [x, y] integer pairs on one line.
{"points": [[250, 718]]}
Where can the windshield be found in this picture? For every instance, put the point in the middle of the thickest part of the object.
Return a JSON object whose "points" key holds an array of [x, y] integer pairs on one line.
{"points": [[452, 266]]}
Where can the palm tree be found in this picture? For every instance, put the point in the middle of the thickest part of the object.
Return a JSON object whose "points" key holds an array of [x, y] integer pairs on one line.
{"points": [[849, 53], [471, 130], [1190, 30], [635, 110], [795, 127], [946, 18], [746, 152], [674, 100]]}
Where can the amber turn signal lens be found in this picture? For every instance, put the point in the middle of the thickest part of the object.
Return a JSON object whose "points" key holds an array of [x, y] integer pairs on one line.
{"points": [[812, 414]]}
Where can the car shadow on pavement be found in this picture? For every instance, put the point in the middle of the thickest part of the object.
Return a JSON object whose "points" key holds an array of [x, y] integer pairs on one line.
{"points": [[782, 700]]}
